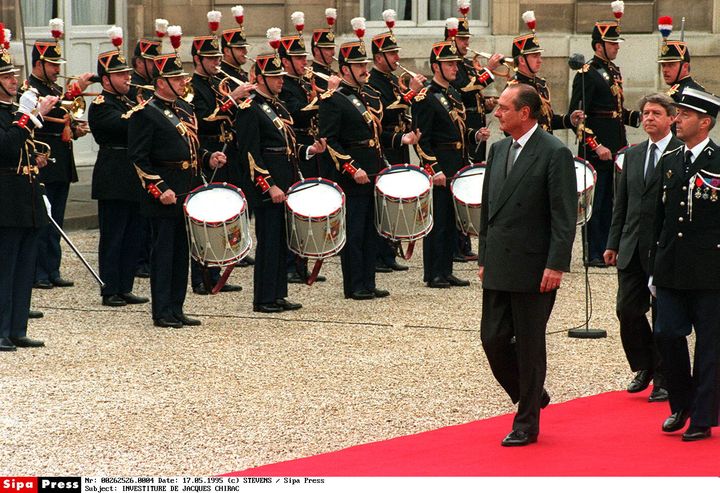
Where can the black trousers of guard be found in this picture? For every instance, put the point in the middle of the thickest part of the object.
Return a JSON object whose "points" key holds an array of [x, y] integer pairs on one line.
{"points": [[144, 239], [168, 266], [633, 303], [197, 277], [476, 151], [678, 312], [518, 365], [358, 257], [598, 227], [120, 227], [49, 253], [438, 246], [270, 273], [18, 251]]}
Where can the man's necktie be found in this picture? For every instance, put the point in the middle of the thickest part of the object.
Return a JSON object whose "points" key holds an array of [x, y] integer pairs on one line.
{"points": [[688, 161], [512, 155], [651, 163]]}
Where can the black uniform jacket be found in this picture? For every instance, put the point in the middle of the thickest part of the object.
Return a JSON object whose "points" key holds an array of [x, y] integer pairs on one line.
{"points": [[470, 83], [298, 98], [322, 69], [549, 121], [21, 204], [676, 90], [687, 250], [162, 138], [114, 176], [234, 71], [63, 169], [350, 120], [528, 218], [396, 115], [634, 207], [135, 94]]}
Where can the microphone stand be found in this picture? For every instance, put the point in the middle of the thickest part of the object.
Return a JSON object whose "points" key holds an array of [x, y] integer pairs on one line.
{"points": [[584, 331]]}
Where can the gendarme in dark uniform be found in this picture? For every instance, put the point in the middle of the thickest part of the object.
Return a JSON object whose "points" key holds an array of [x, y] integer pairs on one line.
{"points": [[115, 184], [166, 153], [22, 211], [143, 69], [606, 117], [234, 47], [322, 62], [674, 61], [685, 268]]}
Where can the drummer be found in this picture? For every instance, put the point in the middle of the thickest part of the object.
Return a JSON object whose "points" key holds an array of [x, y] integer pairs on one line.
{"points": [[267, 147], [163, 145], [351, 123]]}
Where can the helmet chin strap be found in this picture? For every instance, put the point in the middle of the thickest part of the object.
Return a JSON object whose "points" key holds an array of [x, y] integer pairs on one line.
{"points": [[527, 64], [677, 74], [232, 54], [267, 86], [322, 55], [6, 91], [389, 65], [352, 72], [442, 72], [172, 88]]}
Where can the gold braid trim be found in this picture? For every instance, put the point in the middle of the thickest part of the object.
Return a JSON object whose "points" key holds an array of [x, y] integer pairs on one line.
{"points": [[424, 155], [254, 167], [336, 157], [144, 176]]}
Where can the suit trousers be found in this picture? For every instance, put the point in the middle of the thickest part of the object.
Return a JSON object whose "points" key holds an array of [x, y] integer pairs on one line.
{"points": [[18, 251], [168, 266], [120, 225], [439, 244], [357, 258], [519, 366], [598, 227], [678, 312], [49, 253], [633, 303], [270, 271]]}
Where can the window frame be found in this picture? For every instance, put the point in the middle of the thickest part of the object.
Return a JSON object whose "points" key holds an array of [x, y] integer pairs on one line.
{"points": [[422, 26]]}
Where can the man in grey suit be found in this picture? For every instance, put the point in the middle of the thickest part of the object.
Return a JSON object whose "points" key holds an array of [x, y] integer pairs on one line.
{"points": [[630, 239], [526, 234]]}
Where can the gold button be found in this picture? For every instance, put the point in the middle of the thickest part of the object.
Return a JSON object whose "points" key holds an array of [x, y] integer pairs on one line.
{"points": [[680, 219], [682, 204], [684, 188], [371, 142], [679, 235]]}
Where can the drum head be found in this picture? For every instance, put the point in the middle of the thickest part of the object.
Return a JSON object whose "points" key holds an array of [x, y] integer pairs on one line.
{"points": [[213, 205], [403, 183], [467, 185], [314, 199], [584, 176]]}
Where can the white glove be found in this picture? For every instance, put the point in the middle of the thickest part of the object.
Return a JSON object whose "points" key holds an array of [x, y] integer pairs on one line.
{"points": [[652, 288], [28, 106]]}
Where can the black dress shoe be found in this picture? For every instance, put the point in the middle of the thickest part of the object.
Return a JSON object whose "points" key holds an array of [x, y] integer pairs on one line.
{"points": [[143, 272], [695, 433], [185, 320], [62, 283], [676, 421], [43, 285], [248, 260], [544, 399], [455, 281], [399, 267], [267, 308], [459, 258], [35, 314], [168, 323], [363, 294], [200, 289], [320, 278], [230, 288], [438, 282], [113, 300], [383, 269], [27, 342], [641, 381], [597, 262], [295, 278], [7, 345], [658, 394], [132, 299], [519, 438], [381, 293], [287, 305]]}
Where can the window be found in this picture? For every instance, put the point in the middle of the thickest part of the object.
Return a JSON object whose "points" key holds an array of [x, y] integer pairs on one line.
{"points": [[37, 13], [423, 16]]}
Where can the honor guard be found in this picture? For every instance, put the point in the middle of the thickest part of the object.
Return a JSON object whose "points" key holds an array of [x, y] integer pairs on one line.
{"points": [[322, 46], [115, 184], [143, 70], [685, 265], [445, 139], [674, 61], [235, 47], [268, 148], [598, 91], [164, 148], [350, 119], [58, 131], [397, 134], [471, 80], [215, 112], [22, 210], [527, 54]]}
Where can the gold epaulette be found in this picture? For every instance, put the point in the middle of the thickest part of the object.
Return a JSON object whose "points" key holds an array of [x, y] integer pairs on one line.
{"points": [[137, 107], [245, 103], [585, 68], [327, 94], [100, 99], [511, 82], [421, 95]]}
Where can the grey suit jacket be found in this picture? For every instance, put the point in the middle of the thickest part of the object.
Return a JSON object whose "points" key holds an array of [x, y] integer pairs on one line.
{"points": [[528, 218]]}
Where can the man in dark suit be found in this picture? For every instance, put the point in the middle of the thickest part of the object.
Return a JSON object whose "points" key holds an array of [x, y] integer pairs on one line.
{"points": [[685, 265], [629, 242], [527, 229]]}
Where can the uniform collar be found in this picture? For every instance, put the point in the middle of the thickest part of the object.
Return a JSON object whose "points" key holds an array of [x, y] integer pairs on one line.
{"points": [[697, 150]]}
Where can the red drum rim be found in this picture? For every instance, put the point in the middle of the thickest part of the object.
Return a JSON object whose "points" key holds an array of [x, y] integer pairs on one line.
{"points": [[209, 186], [622, 151], [482, 165], [587, 164], [318, 180], [402, 199]]}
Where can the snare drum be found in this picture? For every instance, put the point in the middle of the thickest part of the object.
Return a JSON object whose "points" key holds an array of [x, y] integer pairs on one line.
{"points": [[586, 177], [466, 188], [403, 202], [315, 218], [217, 224]]}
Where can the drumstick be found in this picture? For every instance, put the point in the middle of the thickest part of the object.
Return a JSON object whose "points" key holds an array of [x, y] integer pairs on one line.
{"points": [[403, 170], [267, 199]]}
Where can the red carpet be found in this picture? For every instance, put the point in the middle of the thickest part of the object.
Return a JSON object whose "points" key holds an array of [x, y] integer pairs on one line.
{"points": [[612, 434]]}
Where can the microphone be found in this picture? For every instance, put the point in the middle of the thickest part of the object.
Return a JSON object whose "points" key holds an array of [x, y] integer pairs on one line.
{"points": [[576, 61]]}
